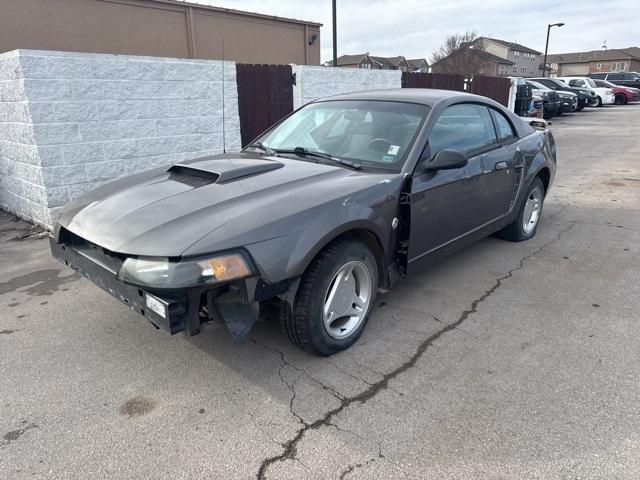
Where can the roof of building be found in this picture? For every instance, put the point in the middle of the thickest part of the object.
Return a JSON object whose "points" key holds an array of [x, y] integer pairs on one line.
{"points": [[512, 45], [237, 12], [350, 59], [417, 62], [385, 61], [630, 53], [389, 61], [480, 53]]}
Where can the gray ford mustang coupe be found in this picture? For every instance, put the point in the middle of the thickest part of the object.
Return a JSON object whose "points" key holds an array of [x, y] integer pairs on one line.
{"points": [[329, 207]]}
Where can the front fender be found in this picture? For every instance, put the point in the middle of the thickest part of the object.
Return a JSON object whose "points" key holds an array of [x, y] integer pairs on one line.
{"points": [[289, 255]]}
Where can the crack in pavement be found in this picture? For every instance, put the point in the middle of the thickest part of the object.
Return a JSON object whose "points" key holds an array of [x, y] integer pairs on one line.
{"points": [[605, 225], [290, 447], [291, 386]]}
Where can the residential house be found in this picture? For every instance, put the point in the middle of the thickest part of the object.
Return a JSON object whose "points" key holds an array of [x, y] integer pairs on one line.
{"points": [[418, 65], [365, 60], [594, 61], [525, 61], [165, 28], [469, 61]]}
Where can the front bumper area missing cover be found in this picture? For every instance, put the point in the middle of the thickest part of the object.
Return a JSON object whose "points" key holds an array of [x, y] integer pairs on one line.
{"points": [[172, 312]]}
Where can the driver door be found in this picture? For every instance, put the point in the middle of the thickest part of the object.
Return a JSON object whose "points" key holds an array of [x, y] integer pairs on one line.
{"points": [[445, 204]]}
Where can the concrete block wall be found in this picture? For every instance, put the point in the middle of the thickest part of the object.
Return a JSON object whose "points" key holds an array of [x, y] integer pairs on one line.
{"points": [[21, 182], [70, 122], [317, 82]]}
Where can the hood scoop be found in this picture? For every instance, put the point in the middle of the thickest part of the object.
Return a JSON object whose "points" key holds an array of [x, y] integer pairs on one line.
{"points": [[222, 170]]}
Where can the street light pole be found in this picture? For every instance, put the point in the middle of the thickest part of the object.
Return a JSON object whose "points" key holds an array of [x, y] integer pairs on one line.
{"points": [[335, 36], [546, 46]]}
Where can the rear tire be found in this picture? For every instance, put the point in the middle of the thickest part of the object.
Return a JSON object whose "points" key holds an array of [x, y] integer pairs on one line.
{"points": [[335, 297], [526, 224]]}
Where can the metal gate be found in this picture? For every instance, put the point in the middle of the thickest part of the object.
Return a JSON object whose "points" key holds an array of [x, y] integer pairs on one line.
{"points": [[265, 95]]}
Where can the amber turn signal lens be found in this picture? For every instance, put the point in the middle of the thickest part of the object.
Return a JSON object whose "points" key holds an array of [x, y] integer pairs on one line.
{"points": [[227, 267]]}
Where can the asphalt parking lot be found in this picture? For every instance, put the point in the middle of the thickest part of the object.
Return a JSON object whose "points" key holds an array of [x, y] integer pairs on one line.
{"points": [[507, 360]]}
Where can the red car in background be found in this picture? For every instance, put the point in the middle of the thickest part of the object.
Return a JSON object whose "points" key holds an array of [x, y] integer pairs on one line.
{"points": [[623, 94]]}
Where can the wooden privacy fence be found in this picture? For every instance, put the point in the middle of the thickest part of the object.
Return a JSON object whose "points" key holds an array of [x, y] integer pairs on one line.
{"points": [[496, 88], [265, 95], [444, 81], [265, 92]]}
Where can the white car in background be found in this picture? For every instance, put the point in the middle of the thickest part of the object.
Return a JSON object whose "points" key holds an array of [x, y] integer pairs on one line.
{"points": [[605, 95]]}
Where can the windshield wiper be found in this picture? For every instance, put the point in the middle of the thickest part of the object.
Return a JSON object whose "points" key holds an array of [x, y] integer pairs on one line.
{"points": [[264, 148], [305, 152]]}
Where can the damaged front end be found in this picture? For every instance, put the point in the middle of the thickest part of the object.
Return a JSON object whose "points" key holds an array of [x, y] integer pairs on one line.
{"points": [[174, 295]]}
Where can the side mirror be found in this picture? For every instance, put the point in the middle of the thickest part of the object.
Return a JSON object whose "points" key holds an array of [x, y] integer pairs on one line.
{"points": [[446, 159]]}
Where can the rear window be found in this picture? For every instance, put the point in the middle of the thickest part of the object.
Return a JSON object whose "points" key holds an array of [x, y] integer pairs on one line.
{"points": [[505, 130]]}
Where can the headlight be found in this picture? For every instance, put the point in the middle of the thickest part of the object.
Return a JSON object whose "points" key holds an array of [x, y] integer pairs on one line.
{"points": [[161, 273]]}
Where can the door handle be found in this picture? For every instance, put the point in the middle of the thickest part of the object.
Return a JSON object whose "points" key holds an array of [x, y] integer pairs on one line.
{"points": [[501, 166]]}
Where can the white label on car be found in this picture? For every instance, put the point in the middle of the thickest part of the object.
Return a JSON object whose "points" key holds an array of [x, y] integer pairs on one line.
{"points": [[156, 305], [393, 149]]}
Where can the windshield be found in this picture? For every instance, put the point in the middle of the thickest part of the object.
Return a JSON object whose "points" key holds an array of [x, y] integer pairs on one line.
{"points": [[590, 82], [368, 133], [537, 85]]}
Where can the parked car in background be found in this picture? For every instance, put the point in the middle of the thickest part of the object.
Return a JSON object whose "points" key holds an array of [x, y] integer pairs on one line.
{"points": [[340, 199], [550, 98], [586, 96], [568, 101], [605, 95], [623, 95], [625, 79]]}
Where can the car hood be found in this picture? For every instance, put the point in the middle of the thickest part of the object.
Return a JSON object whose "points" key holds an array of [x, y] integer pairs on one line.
{"points": [[233, 200]]}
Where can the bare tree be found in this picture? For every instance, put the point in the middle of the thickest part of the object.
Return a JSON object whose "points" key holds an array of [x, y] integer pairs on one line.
{"points": [[459, 54], [452, 44]]}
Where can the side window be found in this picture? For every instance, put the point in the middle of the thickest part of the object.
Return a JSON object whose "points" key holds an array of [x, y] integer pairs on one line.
{"points": [[615, 76], [576, 83], [465, 127], [505, 130]]}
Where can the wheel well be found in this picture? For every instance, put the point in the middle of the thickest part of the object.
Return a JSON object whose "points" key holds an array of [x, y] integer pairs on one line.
{"points": [[372, 243], [545, 176]]}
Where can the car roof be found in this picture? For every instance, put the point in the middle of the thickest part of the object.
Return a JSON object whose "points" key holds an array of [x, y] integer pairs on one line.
{"points": [[424, 96]]}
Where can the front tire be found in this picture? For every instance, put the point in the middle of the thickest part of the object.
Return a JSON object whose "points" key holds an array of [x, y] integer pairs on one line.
{"points": [[599, 104], [335, 297], [621, 99], [526, 224]]}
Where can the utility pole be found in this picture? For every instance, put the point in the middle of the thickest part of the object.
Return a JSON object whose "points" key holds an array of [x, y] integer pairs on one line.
{"points": [[335, 36]]}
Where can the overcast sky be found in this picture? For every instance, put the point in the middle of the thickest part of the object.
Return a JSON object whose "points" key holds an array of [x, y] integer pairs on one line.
{"points": [[414, 28]]}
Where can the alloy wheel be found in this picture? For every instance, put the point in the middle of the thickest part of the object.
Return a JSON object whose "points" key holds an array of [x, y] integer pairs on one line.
{"points": [[347, 299], [532, 210]]}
